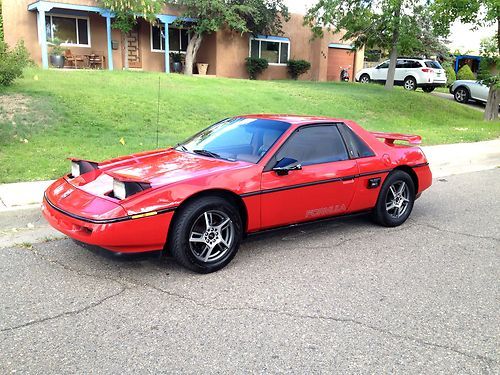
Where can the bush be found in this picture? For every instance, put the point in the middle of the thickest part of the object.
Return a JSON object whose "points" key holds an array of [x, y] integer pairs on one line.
{"points": [[12, 62], [1, 22], [255, 66], [451, 76], [298, 67], [465, 73]]}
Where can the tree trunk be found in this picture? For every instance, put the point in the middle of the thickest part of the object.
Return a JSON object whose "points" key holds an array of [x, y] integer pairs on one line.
{"points": [[192, 50], [491, 110], [389, 84]]}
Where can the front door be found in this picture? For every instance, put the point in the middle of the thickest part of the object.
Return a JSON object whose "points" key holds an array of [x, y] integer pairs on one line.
{"points": [[133, 48], [323, 187], [380, 72]]}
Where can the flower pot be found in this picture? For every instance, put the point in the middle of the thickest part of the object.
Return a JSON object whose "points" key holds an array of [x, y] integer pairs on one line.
{"points": [[177, 67], [202, 68], [57, 61]]}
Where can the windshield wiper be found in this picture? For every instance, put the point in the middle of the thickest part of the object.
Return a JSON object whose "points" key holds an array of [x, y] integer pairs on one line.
{"points": [[181, 146], [207, 153]]}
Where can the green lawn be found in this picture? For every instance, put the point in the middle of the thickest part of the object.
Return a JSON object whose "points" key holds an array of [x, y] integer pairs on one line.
{"points": [[50, 115]]}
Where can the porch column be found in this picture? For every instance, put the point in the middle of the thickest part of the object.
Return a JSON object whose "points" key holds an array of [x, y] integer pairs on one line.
{"points": [[42, 36], [167, 49], [110, 48]]}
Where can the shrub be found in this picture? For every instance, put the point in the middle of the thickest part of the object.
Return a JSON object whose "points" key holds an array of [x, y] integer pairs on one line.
{"points": [[298, 67], [465, 73], [451, 76], [12, 62], [255, 66]]}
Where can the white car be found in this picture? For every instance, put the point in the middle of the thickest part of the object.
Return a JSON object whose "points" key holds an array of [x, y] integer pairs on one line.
{"points": [[465, 90], [410, 73]]}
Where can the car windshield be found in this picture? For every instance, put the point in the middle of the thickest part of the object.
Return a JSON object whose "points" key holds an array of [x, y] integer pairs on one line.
{"points": [[239, 138], [433, 64]]}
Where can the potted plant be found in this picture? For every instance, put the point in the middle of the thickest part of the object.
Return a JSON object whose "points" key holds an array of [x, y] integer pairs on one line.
{"points": [[202, 68], [177, 61], [56, 55]]}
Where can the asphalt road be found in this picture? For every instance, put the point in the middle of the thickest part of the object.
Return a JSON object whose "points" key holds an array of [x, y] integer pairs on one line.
{"points": [[339, 297]]}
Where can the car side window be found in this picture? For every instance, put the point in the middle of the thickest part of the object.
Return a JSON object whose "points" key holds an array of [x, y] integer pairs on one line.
{"points": [[401, 64], [384, 65], [314, 145], [357, 147]]}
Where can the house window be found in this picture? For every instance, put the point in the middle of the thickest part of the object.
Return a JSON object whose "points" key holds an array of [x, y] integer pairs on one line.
{"points": [[275, 51], [178, 39], [71, 31]]}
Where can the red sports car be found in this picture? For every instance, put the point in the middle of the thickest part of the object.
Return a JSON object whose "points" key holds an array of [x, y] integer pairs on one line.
{"points": [[241, 175]]}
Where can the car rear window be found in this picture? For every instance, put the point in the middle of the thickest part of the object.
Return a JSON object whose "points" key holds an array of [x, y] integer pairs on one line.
{"points": [[433, 64]]}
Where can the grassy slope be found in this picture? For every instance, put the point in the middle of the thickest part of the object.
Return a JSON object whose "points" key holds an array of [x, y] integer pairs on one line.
{"points": [[90, 111]]}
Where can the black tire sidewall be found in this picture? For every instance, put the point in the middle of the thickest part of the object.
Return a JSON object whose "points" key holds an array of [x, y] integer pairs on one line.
{"points": [[363, 76], [181, 227], [380, 213], [466, 98]]}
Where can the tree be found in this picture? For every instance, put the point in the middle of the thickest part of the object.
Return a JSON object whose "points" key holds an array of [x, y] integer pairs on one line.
{"points": [[242, 16], [490, 61], [1, 23], [387, 24], [126, 13], [479, 13]]}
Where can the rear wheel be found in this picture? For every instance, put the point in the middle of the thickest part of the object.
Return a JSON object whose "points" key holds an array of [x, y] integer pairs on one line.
{"points": [[206, 234], [395, 200], [410, 84], [461, 95], [365, 78], [428, 88]]}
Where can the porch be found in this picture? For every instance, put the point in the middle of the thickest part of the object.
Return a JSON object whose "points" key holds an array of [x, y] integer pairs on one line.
{"points": [[86, 31]]}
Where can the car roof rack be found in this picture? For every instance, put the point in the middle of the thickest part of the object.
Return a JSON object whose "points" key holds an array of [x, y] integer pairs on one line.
{"points": [[412, 57]]}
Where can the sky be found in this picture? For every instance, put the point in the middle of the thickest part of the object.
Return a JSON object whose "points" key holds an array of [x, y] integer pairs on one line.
{"points": [[461, 37]]}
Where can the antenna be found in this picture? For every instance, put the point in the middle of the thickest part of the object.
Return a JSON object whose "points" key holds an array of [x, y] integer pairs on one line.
{"points": [[158, 114]]}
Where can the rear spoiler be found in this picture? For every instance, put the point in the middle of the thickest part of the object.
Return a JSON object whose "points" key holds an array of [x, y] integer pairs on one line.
{"points": [[389, 138]]}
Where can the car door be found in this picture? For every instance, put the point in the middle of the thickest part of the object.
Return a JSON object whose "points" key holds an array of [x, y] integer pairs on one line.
{"points": [[401, 69], [380, 72], [323, 187], [479, 91]]}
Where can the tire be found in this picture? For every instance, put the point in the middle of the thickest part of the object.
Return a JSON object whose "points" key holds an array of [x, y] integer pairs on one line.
{"points": [[461, 95], [410, 84], [388, 214], [428, 88], [365, 78], [201, 247]]}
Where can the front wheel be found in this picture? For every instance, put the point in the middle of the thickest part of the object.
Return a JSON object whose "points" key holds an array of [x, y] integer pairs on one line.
{"points": [[365, 78], [395, 200], [461, 95], [410, 84], [206, 234], [428, 88]]}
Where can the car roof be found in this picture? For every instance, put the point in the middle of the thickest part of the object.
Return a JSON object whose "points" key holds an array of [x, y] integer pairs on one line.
{"points": [[292, 119]]}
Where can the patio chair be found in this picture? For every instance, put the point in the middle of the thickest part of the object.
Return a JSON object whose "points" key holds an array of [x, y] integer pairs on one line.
{"points": [[71, 61], [96, 60]]}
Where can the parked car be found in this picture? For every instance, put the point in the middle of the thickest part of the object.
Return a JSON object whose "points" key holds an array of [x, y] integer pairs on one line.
{"points": [[241, 175], [410, 73], [465, 90]]}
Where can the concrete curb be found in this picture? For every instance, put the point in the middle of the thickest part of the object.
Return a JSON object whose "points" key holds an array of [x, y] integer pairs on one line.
{"points": [[444, 160]]}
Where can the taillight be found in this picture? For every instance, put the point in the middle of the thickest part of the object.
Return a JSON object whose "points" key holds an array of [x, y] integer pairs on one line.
{"points": [[427, 70]]}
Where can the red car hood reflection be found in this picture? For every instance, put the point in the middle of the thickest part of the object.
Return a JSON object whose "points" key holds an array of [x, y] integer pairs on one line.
{"points": [[171, 166]]}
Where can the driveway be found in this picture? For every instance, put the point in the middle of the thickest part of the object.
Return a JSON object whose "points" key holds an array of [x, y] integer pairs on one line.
{"points": [[472, 104], [344, 296]]}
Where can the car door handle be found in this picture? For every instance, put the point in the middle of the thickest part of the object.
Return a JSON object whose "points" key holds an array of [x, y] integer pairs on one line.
{"points": [[348, 180]]}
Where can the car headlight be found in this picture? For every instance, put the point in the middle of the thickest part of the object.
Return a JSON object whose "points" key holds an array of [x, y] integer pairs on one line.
{"points": [[124, 189], [79, 167]]}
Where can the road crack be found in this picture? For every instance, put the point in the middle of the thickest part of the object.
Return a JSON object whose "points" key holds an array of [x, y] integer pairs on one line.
{"points": [[457, 232]]}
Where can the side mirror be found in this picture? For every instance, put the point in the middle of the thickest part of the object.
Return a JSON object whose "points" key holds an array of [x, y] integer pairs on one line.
{"points": [[286, 165]]}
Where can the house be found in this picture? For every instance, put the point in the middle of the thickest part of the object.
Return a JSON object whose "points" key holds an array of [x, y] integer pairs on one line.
{"points": [[87, 29]]}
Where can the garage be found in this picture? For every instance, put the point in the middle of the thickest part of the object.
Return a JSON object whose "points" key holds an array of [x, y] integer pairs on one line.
{"points": [[340, 56]]}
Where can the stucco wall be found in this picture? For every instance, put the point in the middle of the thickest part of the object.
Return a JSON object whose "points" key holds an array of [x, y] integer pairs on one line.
{"points": [[224, 51]]}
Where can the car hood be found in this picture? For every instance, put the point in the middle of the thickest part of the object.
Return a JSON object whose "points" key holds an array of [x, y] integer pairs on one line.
{"points": [[170, 166]]}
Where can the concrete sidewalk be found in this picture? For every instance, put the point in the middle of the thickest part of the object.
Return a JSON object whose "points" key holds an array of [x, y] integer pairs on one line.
{"points": [[444, 160]]}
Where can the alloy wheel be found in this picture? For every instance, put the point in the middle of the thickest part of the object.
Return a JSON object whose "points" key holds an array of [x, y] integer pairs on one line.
{"points": [[365, 79], [398, 199], [211, 236], [460, 95], [409, 84]]}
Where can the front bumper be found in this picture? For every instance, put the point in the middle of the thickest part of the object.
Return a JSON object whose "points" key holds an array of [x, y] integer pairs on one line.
{"points": [[124, 235]]}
